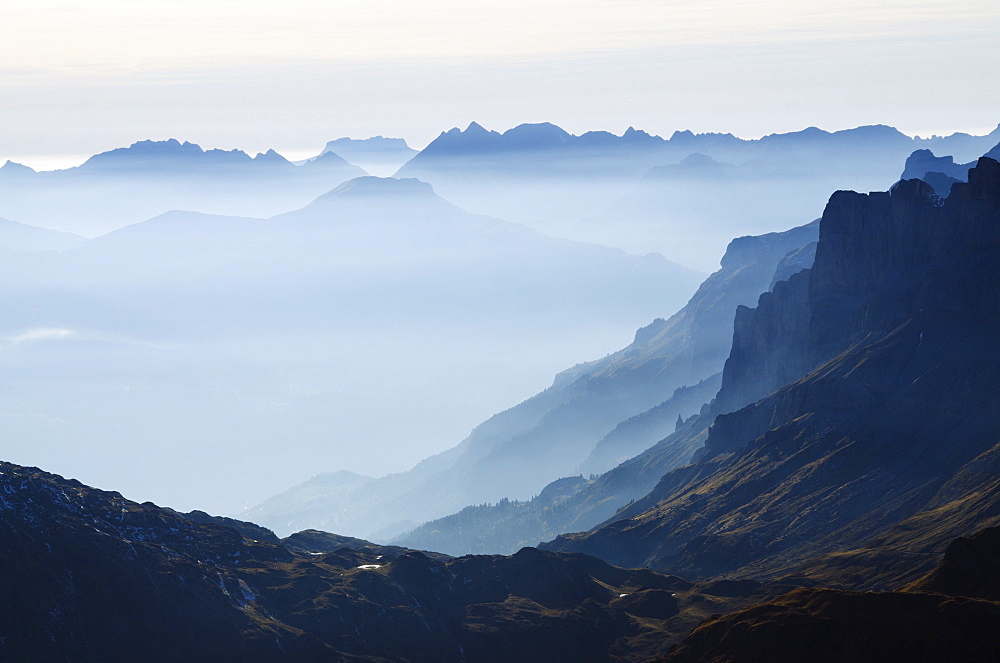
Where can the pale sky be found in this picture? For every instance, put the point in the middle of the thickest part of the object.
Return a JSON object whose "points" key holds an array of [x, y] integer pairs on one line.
{"points": [[79, 78]]}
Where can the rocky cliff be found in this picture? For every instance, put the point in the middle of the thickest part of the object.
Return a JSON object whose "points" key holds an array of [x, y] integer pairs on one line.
{"points": [[890, 430]]}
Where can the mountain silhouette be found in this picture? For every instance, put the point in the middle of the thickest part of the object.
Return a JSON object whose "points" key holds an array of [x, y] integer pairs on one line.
{"points": [[130, 184]]}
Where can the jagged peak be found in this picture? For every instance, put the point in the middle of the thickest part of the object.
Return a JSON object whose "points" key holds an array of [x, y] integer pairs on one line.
{"points": [[159, 146], [475, 128], [171, 148]]}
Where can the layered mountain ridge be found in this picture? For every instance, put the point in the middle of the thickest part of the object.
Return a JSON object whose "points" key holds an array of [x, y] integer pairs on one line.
{"points": [[646, 193], [885, 441], [576, 425], [131, 184]]}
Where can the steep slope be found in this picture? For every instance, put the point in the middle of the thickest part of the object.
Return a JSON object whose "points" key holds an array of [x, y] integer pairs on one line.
{"points": [[697, 338], [130, 184], [248, 354], [887, 442], [571, 426], [92, 576]]}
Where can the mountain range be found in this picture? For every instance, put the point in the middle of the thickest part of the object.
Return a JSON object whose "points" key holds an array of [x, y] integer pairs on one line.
{"points": [[810, 444], [645, 193], [131, 184]]}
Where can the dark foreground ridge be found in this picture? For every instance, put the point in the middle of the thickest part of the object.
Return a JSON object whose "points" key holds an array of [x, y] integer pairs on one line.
{"points": [[92, 576]]}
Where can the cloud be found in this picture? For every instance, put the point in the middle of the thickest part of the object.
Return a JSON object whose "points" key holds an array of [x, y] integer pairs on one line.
{"points": [[43, 334]]}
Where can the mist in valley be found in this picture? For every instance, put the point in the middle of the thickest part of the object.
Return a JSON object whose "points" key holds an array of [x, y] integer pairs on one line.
{"points": [[304, 318]]}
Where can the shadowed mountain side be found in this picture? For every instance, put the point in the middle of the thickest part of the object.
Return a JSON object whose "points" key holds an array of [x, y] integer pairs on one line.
{"points": [[887, 442], [684, 197], [354, 332], [554, 432], [95, 577], [936, 618], [130, 184]]}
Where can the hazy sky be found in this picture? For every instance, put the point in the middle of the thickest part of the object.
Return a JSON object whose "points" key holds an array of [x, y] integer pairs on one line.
{"points": [[78, 78]]}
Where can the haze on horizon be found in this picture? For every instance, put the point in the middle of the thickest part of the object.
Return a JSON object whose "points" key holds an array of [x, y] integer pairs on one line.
{"points": [[254, 75], [257, 75]]}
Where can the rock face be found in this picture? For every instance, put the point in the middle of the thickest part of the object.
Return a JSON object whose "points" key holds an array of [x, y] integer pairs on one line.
{"points": [[91, 576], [886, 439]]}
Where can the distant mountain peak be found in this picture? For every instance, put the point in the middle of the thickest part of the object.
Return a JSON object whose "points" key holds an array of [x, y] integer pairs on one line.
{"points": [[374, 143], [14, 168], [270, 155], [370, 185]]}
